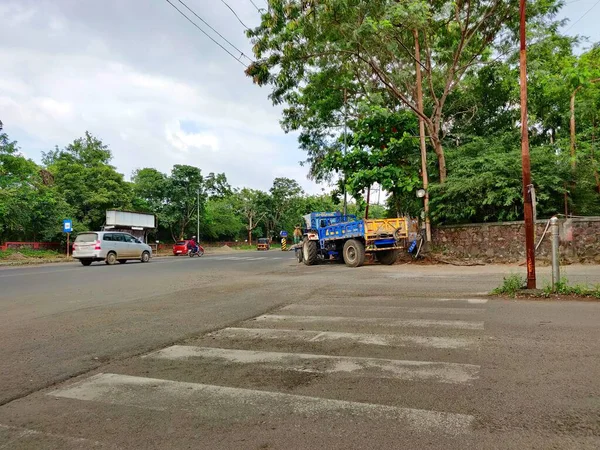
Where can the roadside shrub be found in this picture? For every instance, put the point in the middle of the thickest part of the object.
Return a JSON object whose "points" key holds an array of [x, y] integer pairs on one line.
{"points": [[510, 285]]}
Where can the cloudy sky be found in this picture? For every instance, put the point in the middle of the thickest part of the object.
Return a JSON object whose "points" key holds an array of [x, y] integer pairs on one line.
{"points": [[151, 86]]}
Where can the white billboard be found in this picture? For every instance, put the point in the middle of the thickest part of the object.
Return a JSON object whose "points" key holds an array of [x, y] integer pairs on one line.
{"points": [[130, 219]]}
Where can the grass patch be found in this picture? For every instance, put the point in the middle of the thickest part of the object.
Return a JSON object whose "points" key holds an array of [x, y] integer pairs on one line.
{"points": [[578, 290], [28, 253], [510, 286]]}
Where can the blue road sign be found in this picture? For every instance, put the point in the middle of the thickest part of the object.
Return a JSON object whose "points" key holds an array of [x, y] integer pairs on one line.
{"points": [[283, 234], [67, 226]]}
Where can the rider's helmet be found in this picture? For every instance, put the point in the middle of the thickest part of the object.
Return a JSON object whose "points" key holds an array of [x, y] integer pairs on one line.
{"points": [[194, 237]]}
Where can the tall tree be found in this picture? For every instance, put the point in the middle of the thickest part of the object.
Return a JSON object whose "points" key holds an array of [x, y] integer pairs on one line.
{"points": [[250, 204], [184, 187], [88, 183], [373, 41]]}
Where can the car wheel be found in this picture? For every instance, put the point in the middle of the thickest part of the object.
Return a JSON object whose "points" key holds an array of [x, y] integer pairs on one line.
{"points": [[145, 257], [85, 262], [111, 258]]}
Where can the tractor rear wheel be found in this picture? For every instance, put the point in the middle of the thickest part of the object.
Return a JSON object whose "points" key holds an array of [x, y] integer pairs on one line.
{"points": [[387, 257], [309, 252], [354, 253]]}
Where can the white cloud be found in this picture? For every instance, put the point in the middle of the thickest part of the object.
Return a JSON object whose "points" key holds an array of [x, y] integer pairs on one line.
{"points": [[131, 75]]}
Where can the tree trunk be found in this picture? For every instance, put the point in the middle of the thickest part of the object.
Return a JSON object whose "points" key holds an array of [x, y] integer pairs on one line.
{"points": [[250, 236], [572, 127], [592, 152], [441, 157]]}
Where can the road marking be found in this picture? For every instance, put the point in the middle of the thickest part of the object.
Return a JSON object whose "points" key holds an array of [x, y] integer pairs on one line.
{"points": [[441, 372], [24, 433], [385, 340], [353, 308], [237, 404], [380, 321], [473, 301]]}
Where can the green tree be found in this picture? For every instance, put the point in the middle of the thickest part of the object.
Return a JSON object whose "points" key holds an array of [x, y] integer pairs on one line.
{"points": [[87, 182], [485, 185], [373, 41], [184, 186], [221, 221], [281, 205], [30, 206], [250, 204]]}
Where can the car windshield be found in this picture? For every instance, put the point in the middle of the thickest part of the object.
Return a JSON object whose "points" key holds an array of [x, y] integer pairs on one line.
{"points": [[87, 237], [181, 243]]}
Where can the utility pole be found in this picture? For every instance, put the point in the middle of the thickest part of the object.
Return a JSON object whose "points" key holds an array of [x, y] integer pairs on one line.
{"points": [[422, 138], [198, 206], [527, 186], [368, 203], [345, 148]]}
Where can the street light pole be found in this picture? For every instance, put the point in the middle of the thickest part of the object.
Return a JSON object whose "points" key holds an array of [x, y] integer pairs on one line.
{"points": [[527, 186], [198, 206]]}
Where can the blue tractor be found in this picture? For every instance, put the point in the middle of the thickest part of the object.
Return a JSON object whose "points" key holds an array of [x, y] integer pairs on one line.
{"points": [[332, 235]]}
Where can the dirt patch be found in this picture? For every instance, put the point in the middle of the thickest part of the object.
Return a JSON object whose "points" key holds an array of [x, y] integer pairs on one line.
{"points": [[17, 256]]}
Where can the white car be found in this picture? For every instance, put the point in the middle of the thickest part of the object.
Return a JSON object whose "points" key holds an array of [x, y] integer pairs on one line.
{"points": [[110, 247]]}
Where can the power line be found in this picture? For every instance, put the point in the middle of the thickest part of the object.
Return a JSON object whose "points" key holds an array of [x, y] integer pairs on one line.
{"points": [[235, 14], [254, 4], [208, 25], [204, 32], [584, 14]]}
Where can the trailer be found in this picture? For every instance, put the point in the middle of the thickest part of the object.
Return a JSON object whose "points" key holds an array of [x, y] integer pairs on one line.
{"points": [[345, 237]]}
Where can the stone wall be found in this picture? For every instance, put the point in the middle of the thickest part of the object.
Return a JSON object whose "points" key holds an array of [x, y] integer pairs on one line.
{"points": [[505, 242]]}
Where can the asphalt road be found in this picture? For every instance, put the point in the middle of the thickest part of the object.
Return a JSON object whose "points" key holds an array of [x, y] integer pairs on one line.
{"points": [[251, 350]]}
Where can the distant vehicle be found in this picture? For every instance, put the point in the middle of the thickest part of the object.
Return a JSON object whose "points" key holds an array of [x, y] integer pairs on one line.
{"points": [[263, 244], [333, 235], [110, 247], [180, 247]]}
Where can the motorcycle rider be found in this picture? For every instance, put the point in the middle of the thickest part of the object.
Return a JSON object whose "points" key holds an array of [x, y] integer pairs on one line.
{"points": [[192, 245]]}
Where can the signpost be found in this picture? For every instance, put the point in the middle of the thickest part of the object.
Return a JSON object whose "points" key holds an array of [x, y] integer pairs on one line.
{"points": [[283, 235], [68, 228]]}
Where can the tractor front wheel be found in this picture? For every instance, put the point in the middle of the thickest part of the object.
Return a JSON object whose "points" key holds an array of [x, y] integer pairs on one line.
{"points": [[354, 253]]}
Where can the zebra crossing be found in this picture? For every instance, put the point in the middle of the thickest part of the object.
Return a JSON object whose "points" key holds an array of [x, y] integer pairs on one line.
{"points": [[297, 361]]}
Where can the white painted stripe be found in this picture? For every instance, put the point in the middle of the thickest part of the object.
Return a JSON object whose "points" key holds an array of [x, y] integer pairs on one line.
{"points": [[441, 372], [379, 321], [22, 434], [257, 258], [473, 301], [237, 404], [385, 340], [354, 308]]}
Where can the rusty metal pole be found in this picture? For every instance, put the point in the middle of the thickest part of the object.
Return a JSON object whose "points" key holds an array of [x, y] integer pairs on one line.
{"points": [[422, 138], [368, 202], [528, 206]]}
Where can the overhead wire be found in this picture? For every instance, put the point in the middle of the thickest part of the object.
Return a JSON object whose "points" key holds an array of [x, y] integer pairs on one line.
{"points": [[235, 14], [208, 35], [208, 25], [254, 4], [584, 14]]}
